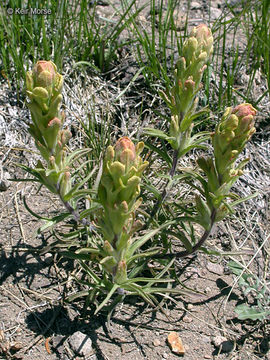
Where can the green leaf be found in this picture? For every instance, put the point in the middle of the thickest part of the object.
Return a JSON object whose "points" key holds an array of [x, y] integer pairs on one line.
{"points": [[143, 255], [78, 295], [110, 294], [139, 242], [139, 291], [129, 84], [52, 221], [211, 252], [188, 119], [157, 133], [148, 280], [163, 271], [151, 188], [75, 256], [181, 236], [234, 203], [239, 270], [90, 273], [163, 154], [77, 154], [246, 312]]}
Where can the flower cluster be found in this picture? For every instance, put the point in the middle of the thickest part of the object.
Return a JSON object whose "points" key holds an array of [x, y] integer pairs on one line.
{"points": [[44, 86], [181, 98], [118, 192], [232, 133]]}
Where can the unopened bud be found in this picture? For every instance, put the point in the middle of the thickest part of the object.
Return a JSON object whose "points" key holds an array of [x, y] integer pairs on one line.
{"points": [[65, 136], [44, 73], [125, 150], [190, 84], [55, 122], [109, 153], [243, 110], [231, 123], [52, 160], [124, 206]]}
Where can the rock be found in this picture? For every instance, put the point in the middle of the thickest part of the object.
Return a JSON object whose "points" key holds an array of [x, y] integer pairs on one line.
{"points": [[227, 346], [207, 356], [179, 20], [258, 78], [205, 339], [175, 343], [156, 342], [48, 258], [207, 290], [190, 307], [81, 343], [195, 5], [192, 272], [93, 357], [220, 341], [3, 185], [187, 319], [215, 268], [215, 13], [15, 346], [236, 4], [4, 182]]}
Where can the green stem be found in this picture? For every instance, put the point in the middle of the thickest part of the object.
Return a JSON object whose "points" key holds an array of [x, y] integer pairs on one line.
{"points": [[164, 193], [202, 240], [71, 210]]}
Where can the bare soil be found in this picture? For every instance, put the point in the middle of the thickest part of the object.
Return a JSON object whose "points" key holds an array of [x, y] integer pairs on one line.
{"points": [[36, 322]]}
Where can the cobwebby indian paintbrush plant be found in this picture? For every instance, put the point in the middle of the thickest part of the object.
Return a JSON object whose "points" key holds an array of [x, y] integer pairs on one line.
{"points": [[44, 90], [44, 86], [120, 254], [229, 139], [115, 256], [118, 193], [182, 98]]}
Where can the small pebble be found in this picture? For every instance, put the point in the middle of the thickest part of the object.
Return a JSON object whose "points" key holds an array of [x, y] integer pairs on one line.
{"points": [[215, 268], [195, 5], [3, 185], [225, 344], [207, 356], [156, 342], [187, 319], [48, 258], [218, 340], [215, 13], [81, 343], [175, 343]]}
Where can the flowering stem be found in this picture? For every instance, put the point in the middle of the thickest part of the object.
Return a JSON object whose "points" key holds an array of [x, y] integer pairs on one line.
{"points": [[164, 193], [174, 164], [71, 209], [75, 214]]}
